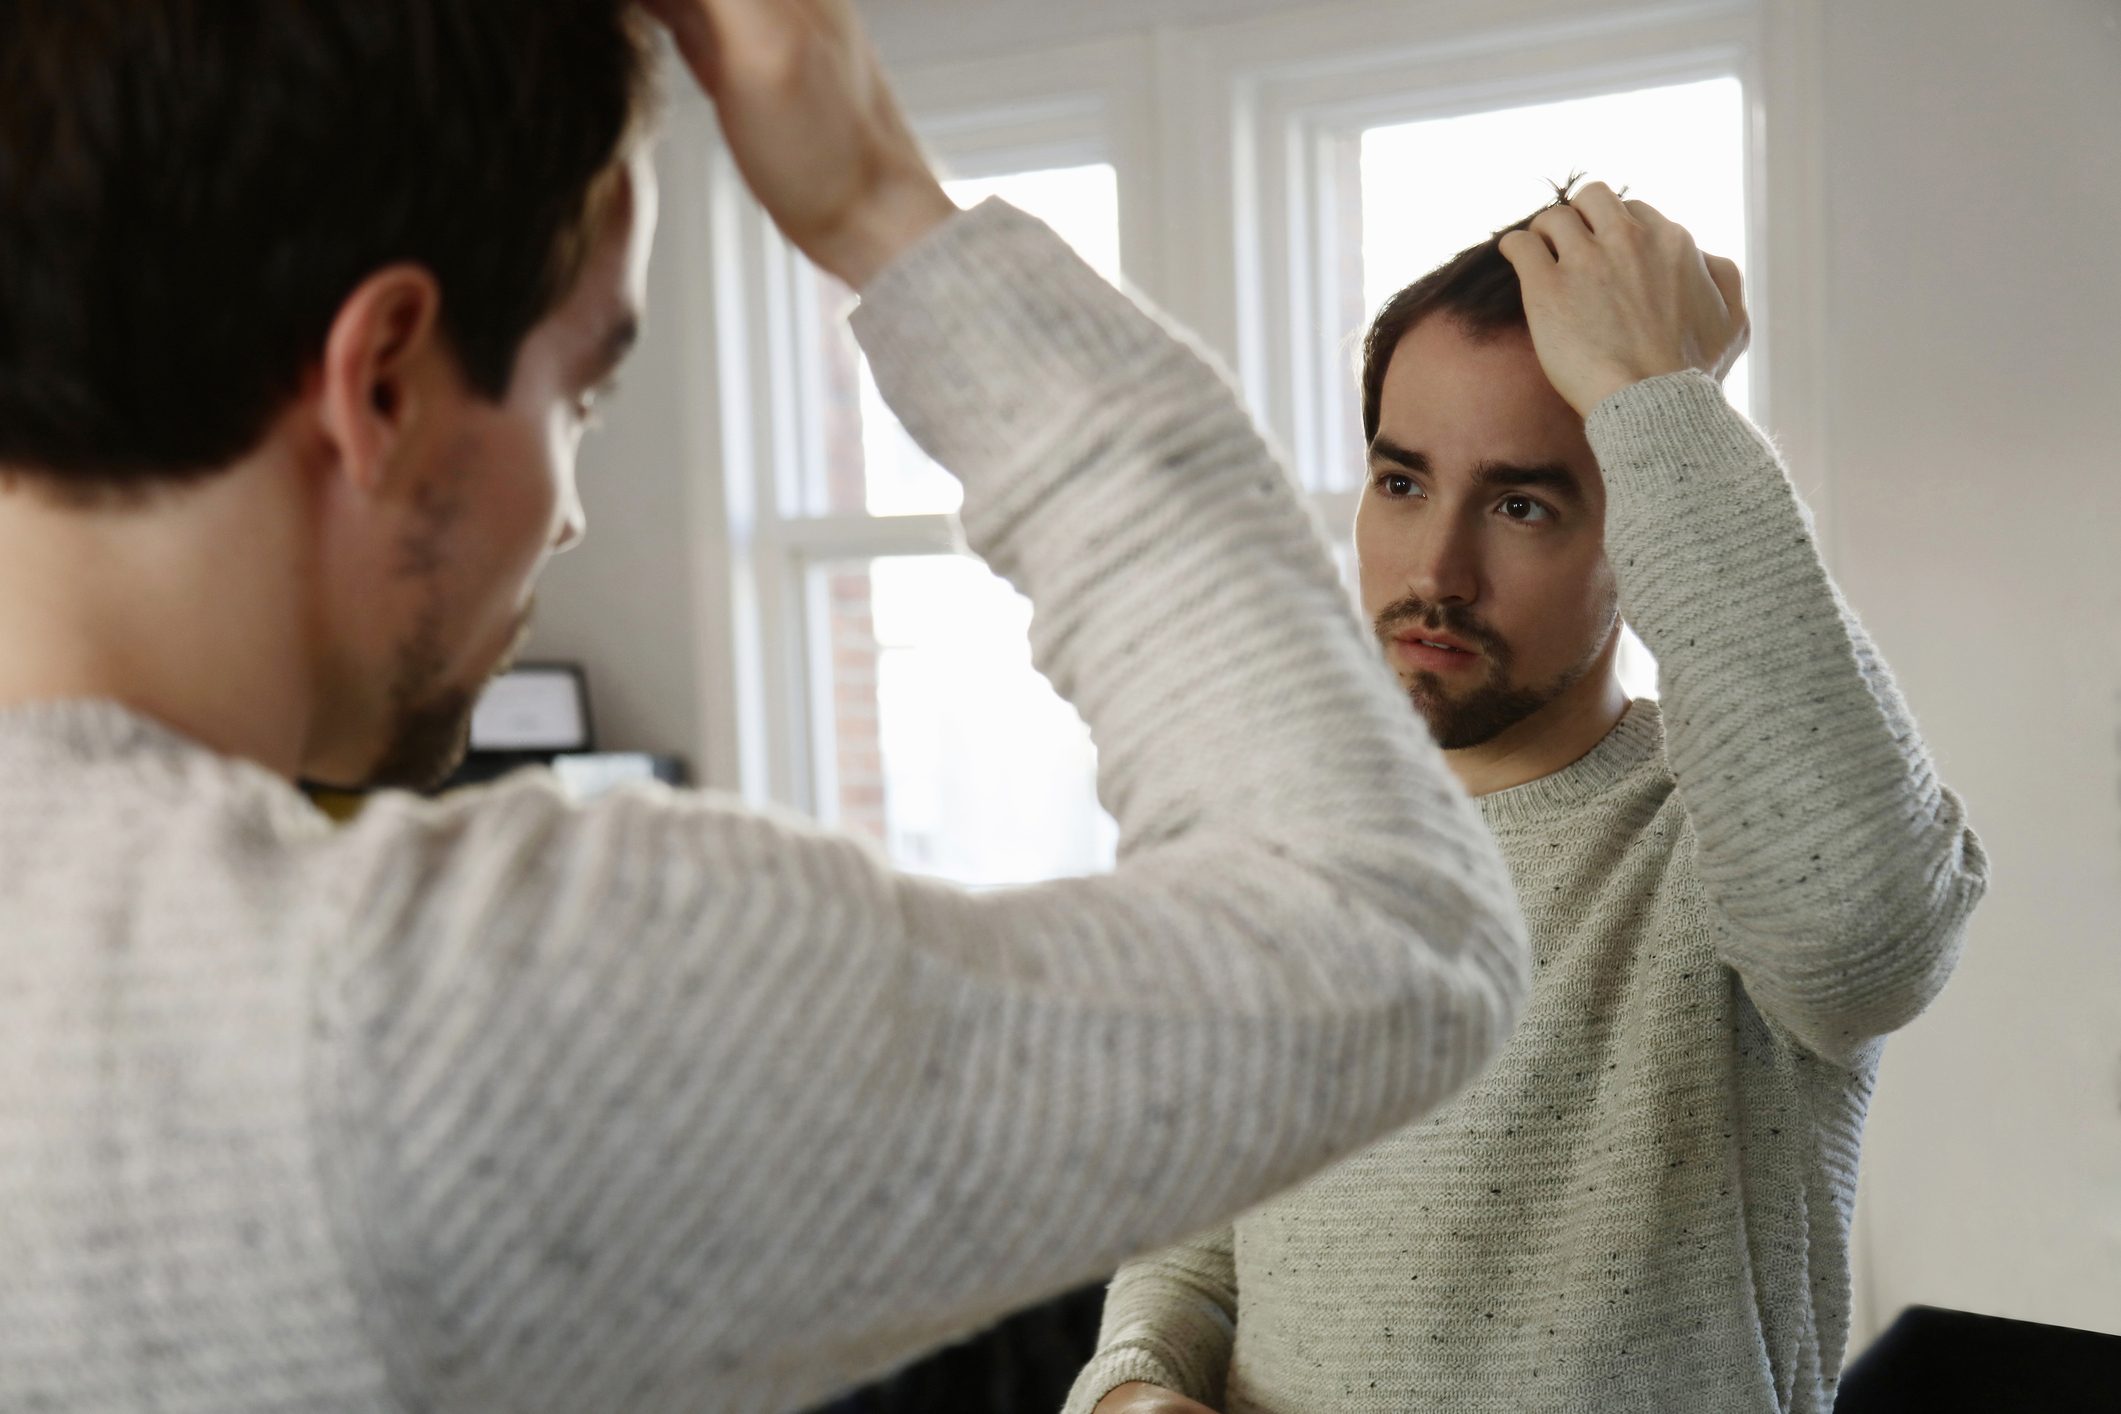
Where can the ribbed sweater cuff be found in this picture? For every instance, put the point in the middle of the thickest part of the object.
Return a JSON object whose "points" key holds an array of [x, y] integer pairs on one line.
{"points": [[1115, 1368], [1653, 437]]}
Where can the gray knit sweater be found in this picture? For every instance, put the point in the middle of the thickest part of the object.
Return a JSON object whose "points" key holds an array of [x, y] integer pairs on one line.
{"points": [[1644, 1205], [494, 1103]]}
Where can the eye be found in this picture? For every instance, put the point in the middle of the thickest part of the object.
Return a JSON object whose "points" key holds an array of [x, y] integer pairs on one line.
{"points": [[1524, 510], [588, 404], [1397, 485]]}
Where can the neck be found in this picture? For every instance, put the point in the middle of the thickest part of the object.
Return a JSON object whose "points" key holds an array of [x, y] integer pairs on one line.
{"points": [[1556, 736], [185, 606]]}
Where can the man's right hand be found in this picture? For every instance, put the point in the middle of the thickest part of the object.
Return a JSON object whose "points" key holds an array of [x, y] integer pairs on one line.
{"points": [[813, 126], [1616, 292], [1139, 1398]]}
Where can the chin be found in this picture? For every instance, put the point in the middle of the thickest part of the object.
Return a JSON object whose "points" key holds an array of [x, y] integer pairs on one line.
{"points": [[427, 743], [1477, 717], [430, 727]]}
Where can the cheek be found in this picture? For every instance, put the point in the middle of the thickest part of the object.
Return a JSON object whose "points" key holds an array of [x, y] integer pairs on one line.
{"points": [[1379, 577], [541, 473], [522, 497], [1553, 607]]}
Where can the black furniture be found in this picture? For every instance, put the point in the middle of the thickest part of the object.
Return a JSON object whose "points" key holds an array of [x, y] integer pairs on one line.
{"points": [[1934, 1361], [537, 714], [1022, 1366]]}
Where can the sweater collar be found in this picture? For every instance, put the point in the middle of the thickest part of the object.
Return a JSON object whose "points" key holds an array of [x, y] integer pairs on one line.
{"points": [[1634, 741]]}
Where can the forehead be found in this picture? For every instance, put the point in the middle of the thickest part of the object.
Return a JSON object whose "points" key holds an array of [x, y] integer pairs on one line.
{"points": [[613, 283], [1458, 398]]}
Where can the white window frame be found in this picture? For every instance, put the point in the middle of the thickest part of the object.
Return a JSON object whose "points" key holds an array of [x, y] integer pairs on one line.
{"points": [[1300, 90], [1075, 106]]}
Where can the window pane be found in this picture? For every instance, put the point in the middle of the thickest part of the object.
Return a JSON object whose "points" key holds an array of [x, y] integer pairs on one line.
{"points": [[1432, 188], [870, 464], [949, 747]]}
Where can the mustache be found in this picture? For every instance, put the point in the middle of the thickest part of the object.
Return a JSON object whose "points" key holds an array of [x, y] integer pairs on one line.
{"points": [[1455, 619]]}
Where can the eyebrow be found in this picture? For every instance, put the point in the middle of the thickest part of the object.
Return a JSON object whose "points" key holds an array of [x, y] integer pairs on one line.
{"points": [[1488, 475], [611, 350]]}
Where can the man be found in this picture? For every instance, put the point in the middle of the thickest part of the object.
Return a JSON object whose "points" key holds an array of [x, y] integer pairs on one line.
{"points": [[495, 1103], [1734, 892]]}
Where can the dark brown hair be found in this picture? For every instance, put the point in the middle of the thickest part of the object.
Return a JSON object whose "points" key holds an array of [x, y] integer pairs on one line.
{"points": [[1476, 287], [190, 189]]}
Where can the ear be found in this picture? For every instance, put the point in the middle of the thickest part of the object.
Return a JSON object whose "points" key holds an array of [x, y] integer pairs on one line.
{"points": [[385, 366]]}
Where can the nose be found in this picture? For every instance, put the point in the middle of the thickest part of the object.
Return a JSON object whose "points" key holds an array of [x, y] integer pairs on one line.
{"points": [[1445, 565]]}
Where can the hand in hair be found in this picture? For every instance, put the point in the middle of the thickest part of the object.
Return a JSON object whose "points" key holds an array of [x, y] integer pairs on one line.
{"points": [[813, 125], [1615, 292]]}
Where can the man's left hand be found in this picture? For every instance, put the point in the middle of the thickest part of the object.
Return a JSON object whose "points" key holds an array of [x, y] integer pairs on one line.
{"points": [[1615, 293]]}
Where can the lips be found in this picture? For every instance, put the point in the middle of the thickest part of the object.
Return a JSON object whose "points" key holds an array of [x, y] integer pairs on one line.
{"points": [[1437, 652]]}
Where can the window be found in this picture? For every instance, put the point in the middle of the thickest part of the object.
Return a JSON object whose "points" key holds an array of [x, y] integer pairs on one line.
{"points": [[887, 475], [950, 748], [939, 738]]}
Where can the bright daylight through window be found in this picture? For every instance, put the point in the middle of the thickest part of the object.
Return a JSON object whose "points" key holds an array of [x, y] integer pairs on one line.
{"points": [[945, 743]]}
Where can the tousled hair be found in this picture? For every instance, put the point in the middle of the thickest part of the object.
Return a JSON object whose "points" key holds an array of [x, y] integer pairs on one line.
{"points": [[190, 189], [1476, 287]]}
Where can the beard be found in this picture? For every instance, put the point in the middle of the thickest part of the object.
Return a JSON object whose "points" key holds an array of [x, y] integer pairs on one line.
{"points": [[1479, 716], [1474, 716], [427, 743], [431, 718], [431, 712]]}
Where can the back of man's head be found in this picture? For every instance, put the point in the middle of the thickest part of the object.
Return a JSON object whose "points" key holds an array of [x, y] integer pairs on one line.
{"points": [[189, 189], [1476, 287]]}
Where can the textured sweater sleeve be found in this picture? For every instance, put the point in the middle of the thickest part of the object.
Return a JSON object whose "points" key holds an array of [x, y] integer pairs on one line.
{"points": [[1841, 870], [661, 1103], [1170, 1321]]}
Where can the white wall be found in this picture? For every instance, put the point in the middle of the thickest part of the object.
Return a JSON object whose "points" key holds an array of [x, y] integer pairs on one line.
{"points": [[1974, 420], [640, 602], [1969, 400], [915, 31]]}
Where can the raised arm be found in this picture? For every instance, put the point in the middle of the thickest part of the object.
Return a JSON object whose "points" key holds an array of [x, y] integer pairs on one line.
{"points": [[662, 1096], [1841, 870]]}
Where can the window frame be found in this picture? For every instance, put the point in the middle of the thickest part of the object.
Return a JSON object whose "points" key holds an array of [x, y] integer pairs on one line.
{"points": [[1302, 91], [1082, 104]]}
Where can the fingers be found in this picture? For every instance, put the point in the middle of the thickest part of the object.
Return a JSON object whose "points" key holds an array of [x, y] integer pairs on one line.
{"points": [[768, 36], [1647, 214], [688, 25], [1603, 209], [1527, 253], [740, 21], [1730, 281], [1562, 229], [1598, 206]]}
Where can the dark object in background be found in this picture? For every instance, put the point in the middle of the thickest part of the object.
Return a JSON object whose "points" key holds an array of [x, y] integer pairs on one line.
{"points": [[1022, 1366], [1933, 1361], [537, 714]]}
